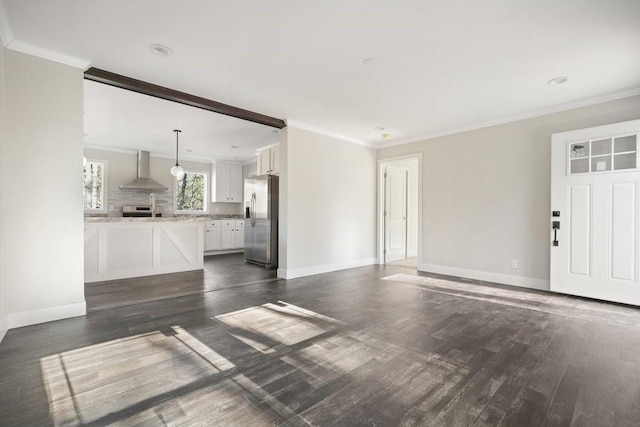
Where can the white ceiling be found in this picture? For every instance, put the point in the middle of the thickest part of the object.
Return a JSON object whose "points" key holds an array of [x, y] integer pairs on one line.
{"points": [[122, 119], [439, 65]]}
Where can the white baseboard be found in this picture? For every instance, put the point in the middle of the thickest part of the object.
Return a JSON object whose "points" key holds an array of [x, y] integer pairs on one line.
{"points": [[49, 314], [4, 327], [326, 268], [506, 279]]}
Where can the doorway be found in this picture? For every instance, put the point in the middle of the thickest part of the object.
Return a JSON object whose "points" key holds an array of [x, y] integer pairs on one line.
{"points": [[399, 210]]}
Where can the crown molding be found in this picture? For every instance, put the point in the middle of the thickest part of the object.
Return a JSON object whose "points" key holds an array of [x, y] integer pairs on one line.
{"points": [[29, 49], [532, 114], [304, 126], [6, 35]]}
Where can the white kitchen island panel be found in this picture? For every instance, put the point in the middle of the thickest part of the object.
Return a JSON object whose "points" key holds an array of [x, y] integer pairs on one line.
{"points": [[118, 250]]}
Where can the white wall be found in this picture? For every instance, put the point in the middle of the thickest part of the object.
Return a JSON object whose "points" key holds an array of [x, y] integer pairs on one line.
{"points": [[40, 180], [3, 208], [330, 203], [486, 194], [122, 168]]}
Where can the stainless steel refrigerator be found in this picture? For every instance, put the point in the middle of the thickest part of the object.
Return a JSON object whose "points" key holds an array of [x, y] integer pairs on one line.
{"points": [[261, 220]]}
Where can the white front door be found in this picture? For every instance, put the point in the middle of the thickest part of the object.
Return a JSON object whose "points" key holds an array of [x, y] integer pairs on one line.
{"points": [[595, 186], [395, 213]]}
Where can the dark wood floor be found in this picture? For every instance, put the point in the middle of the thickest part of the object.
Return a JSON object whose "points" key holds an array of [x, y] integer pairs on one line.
{"points": [[369, 346], [220, 271]]}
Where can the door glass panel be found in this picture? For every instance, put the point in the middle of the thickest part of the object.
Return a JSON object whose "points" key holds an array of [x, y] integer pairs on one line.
{"points": [[601, 164], [600, 147], [579, 149], [579, 165], [625, 161], [625, 143]]}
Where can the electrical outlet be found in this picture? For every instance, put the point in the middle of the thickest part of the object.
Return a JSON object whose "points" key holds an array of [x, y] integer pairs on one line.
{"points": [[217, 210], [514, 263]]}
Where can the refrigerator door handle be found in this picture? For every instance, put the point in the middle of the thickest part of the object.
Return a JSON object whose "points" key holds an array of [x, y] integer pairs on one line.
{"points": [[253, 210]]}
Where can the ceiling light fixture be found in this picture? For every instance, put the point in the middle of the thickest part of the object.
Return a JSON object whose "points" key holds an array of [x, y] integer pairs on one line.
{"points": [[386, 136], [160, 50], [558, 81], [379, 128], [235, 147], [177, 170]]}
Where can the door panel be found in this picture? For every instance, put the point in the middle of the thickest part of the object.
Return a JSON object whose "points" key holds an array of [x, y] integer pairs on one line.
{"points": [[396, 213], [596, 253], [580, 232], [623, 231]]}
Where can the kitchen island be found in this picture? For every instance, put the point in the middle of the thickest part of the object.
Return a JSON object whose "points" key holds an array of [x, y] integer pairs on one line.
{"points": [[118, 248]]}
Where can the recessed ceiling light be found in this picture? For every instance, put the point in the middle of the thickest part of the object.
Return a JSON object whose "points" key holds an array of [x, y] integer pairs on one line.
{"points": [[160, 50], [370, 62], [236, 157], [557, 80], [276, 131], [235, 147], [189, 150], [386, 135], [379, 128]]}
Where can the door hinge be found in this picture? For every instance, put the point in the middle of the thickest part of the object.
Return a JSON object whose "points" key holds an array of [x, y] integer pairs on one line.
{"points": [[385, 213], [384, 252], [385, 174]]}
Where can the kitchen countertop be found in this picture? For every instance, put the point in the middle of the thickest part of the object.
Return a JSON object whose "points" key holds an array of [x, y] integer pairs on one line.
{"points": [[177, 218]]}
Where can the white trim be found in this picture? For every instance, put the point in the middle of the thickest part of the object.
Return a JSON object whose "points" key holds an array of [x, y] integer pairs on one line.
{"points": [[214, 252], [304, 126], [4, 327], [6, 35], [380, 202], [486, 276], [49, 314], [29, 49], [536, 113], [250, 162], [327, 268]]}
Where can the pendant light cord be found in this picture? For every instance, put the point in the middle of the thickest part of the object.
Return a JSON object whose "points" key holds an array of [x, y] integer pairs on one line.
{"points": [[177, 131]]}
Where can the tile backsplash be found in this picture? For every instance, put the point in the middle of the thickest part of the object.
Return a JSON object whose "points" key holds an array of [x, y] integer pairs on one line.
{"points": [[118, 198]]}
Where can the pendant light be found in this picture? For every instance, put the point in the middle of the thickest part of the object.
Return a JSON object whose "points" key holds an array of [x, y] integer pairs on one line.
{"points": [[177, 170]]}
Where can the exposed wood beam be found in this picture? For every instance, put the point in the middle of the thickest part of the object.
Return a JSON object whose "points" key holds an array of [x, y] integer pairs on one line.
{"points": [[124, 82]]}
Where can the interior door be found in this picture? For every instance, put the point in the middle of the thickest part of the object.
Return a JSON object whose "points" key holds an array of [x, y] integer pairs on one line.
{"points": [[594, 220], [395, 226]]}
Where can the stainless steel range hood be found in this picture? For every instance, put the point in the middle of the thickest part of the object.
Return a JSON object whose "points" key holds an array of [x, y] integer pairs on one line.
{"points": [[143, 181]]}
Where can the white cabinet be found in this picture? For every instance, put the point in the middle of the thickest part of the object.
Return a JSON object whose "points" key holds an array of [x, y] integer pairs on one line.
{"points": [[239, 234], [226, 183], [269, 160], [212, 236], [224, 234], [232, 235]]}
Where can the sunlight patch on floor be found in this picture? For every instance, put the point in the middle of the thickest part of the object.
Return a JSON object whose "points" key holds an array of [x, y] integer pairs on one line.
{"points": [[90, 383], [270, 326], [525, 299]]}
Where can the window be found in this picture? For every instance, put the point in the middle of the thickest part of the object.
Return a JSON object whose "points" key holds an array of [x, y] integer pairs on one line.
{"points": [[95, 173], [191, 193]]}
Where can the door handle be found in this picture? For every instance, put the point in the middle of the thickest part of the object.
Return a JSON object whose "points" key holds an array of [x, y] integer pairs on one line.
{"points": [[555, 225]]}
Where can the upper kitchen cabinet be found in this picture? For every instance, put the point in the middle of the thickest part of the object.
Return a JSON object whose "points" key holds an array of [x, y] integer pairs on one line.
{"points": [[269, 160], [226, 183]]}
